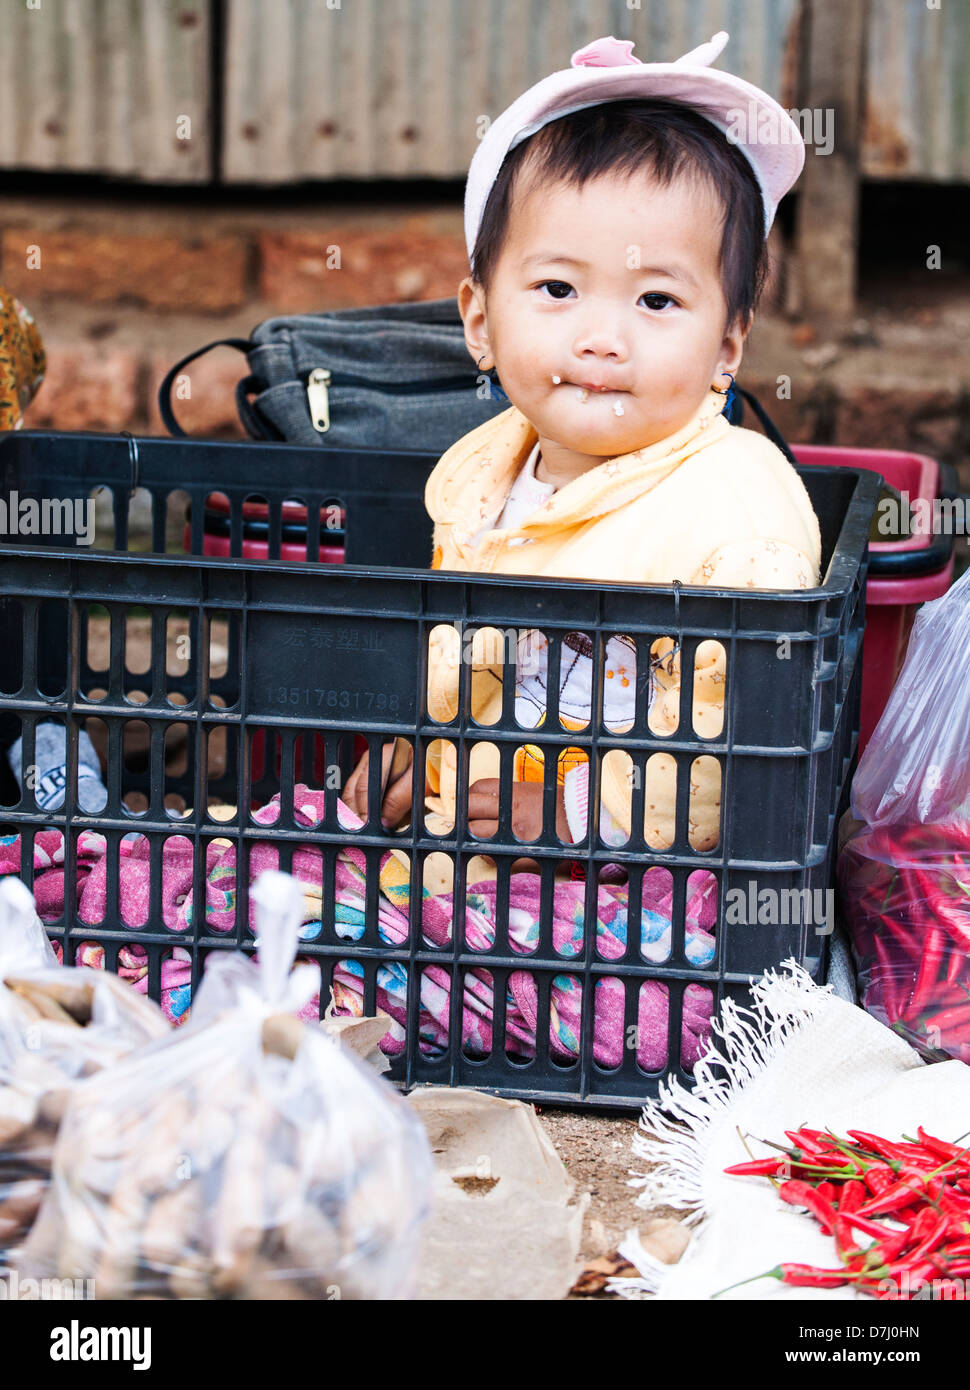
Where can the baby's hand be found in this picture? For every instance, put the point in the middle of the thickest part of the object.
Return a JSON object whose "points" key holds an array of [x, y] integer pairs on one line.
{"points": [[526, 809], [397, 798]]}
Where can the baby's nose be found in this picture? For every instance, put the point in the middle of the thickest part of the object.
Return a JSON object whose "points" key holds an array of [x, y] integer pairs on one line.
{"points": [[601, 343]]}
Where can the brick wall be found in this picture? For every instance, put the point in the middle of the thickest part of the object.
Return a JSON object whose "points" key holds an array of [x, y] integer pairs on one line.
{"points": [[118, 303], [123, 289]]}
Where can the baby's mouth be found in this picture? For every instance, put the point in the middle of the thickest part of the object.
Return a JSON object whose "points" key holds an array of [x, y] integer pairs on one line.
{"points": [[585, 389], [591, 387]]}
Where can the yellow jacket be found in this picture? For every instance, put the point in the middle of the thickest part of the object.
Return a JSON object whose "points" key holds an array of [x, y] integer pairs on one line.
{"points": [[713, 504]]}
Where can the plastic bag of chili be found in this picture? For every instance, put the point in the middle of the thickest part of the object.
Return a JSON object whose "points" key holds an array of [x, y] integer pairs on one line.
{"points": [[904, 867]]}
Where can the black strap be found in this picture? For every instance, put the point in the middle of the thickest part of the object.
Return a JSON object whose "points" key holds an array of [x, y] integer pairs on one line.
{"points": [[253, 422], [767, 424], [165, 390]]}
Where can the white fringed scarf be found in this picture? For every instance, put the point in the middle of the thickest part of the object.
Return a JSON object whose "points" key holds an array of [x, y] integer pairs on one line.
{"points": [[799, 1056]]}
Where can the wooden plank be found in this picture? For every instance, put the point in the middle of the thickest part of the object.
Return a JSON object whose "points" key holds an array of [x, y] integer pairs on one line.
{"points": [[83, 82], [828, 205]]}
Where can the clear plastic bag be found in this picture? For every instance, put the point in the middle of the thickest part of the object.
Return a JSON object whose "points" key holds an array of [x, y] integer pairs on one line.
{"points": [[57, 1026], [245, 1156], [904, 870], [23, 939]]}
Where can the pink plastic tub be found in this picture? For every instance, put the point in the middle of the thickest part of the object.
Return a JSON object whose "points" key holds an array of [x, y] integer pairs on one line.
{"points": [[902, 574]]}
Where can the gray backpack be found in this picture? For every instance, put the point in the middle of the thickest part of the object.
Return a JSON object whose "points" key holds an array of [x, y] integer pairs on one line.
{"points": [[395, 376], [392, 376]]}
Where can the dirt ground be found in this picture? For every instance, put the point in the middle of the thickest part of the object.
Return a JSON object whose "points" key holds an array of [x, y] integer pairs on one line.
{"points": [[597, 1152]]}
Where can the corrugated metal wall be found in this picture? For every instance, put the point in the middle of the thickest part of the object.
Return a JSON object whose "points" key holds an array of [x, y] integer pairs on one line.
{"points": [[918, 91], [99, 86], [398, 88], [322, 89]]}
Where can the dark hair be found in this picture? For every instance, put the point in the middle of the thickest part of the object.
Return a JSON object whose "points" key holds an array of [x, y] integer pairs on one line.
{"points": [[667, 138]]}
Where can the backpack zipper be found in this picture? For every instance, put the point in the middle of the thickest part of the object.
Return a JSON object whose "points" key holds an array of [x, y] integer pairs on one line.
{"points": [[321, 379], [318, 398]]}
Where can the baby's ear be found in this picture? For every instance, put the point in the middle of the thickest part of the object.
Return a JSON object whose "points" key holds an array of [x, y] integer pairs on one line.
{"points": [[471, 296], [733, 345], [742, 325], [471, 306]]}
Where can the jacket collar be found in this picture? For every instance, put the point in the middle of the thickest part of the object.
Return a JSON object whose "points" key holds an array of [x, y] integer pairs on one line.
{"points": [[482, 466]]}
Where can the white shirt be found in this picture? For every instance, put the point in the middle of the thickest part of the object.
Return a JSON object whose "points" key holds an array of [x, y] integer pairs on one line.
{"points": [[526, 495]]}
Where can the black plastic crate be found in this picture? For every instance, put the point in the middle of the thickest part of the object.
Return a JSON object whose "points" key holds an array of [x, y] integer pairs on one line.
{"points": [[286, 664]]}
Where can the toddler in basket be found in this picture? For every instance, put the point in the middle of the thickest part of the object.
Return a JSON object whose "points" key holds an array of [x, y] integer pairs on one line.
{"points": [[616, 229]]}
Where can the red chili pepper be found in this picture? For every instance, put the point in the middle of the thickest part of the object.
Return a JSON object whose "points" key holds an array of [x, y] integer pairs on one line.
{"points": [[884, 1147], [845, 1242], [757, 1168], [883, 980], [911, 1275], [878, 1179], [926, 876], [852, 1196], [802, 1194], [952, 1020], [863, 1223], [957, 1206], [807, 1143], [950, 917], [883, 1252], [947, 996], [902, 928], [916, 1155], [845, 1153], [836, 1165], [821, 1136], [902, 880], [927, 1229], [918, 837], [942, 1148], [799, 1276], [957, 1038], [916, 1270], [899, 1195], [931, 959], [832, 1164], [954, 965]]}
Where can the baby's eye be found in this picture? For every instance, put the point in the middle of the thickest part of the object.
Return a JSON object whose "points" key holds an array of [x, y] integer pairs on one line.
{"points": [[651, 296], [558, 284]]}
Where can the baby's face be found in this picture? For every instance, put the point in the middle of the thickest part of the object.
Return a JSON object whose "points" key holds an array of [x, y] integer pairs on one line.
{"points": [[617, 286]]}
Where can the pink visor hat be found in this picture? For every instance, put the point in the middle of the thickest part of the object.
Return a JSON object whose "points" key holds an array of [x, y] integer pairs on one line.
{"points": [[606, 70]]}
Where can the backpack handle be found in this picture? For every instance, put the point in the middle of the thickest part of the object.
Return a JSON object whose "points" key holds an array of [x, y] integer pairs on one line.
{"points": [[165, 389]]}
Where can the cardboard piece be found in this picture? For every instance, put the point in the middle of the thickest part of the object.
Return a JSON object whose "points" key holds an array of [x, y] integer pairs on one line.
{"points": [[505, 1223]]}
